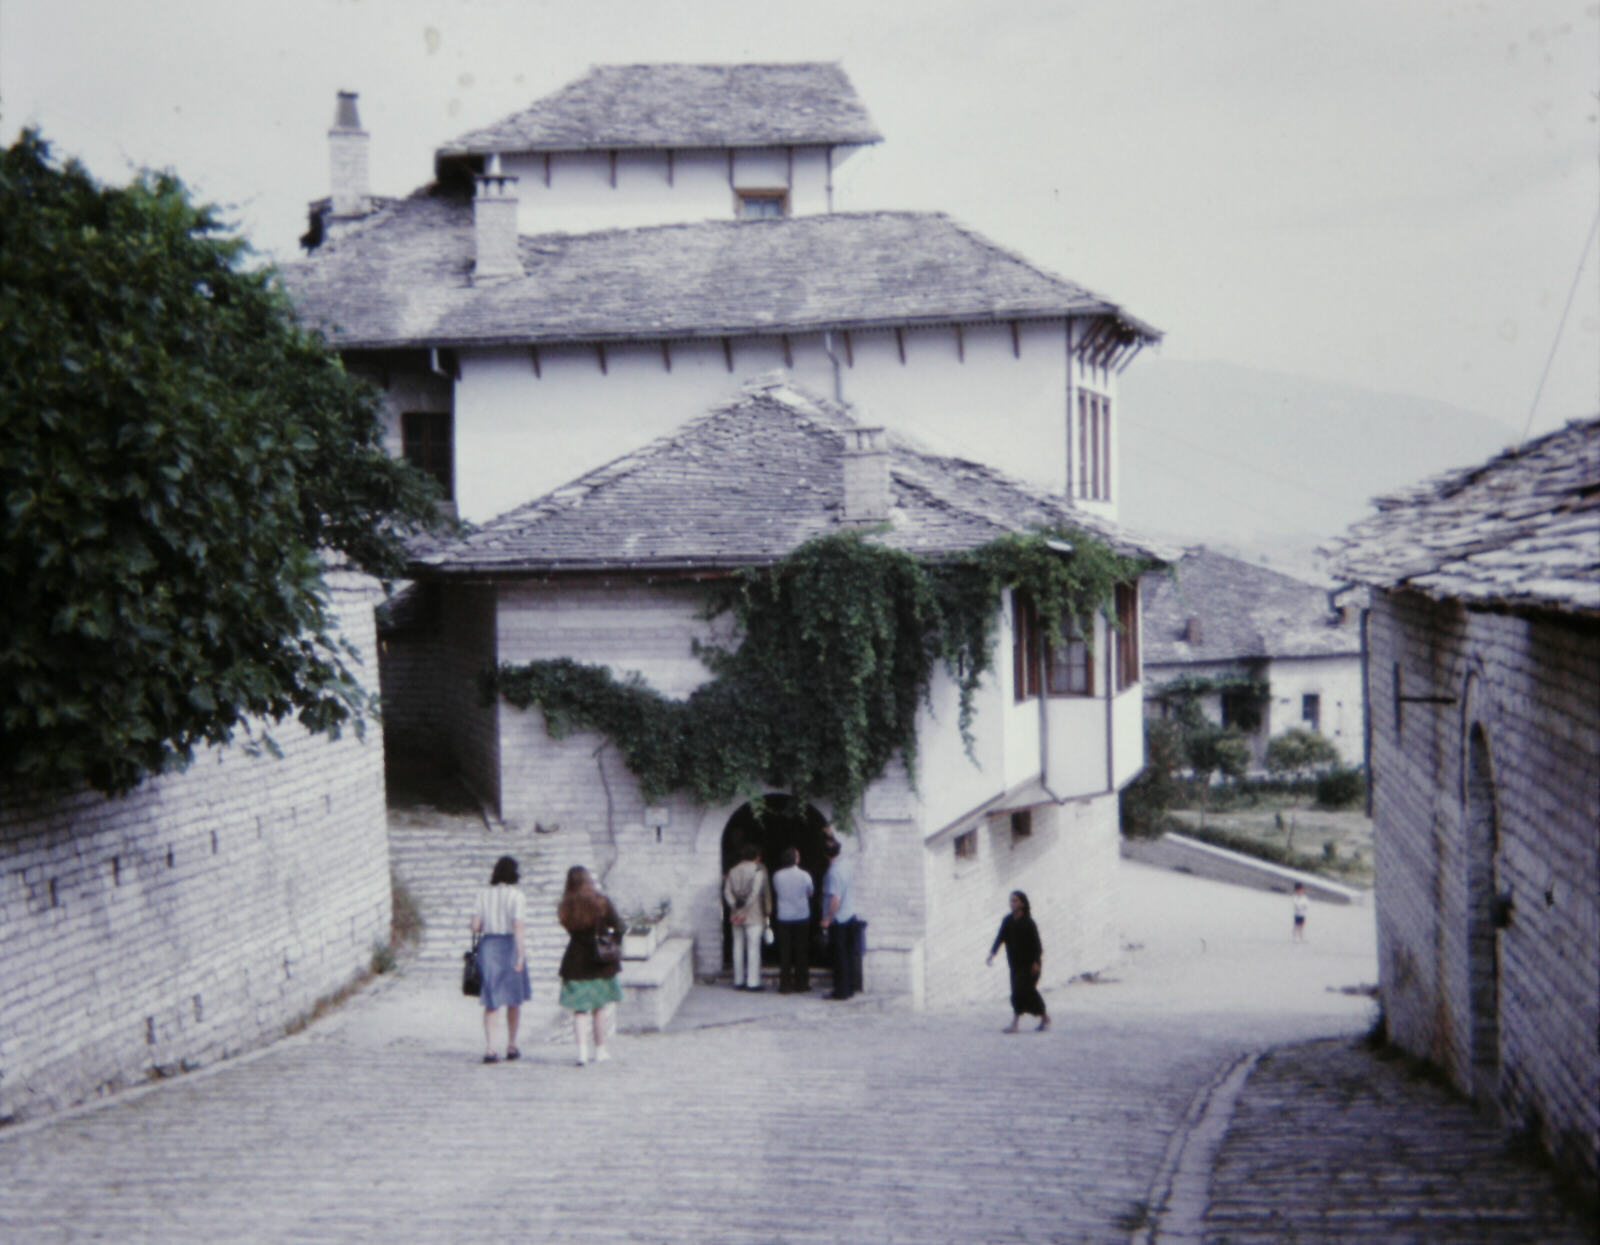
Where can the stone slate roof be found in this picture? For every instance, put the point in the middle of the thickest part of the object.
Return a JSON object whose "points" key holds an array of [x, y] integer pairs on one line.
{"points": [[746, 484], [615, 107], [1521, 531], [401, 277], [1241, 612]]}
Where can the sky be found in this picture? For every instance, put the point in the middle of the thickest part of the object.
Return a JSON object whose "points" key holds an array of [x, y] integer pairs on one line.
{"points": [[1391, 195]]}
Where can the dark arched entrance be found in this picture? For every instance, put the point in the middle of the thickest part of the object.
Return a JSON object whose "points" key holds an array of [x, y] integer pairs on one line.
{"points": [[775, 823]]}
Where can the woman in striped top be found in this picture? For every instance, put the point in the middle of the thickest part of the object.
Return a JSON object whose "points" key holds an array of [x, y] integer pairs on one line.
{"points": [[501, 958]]}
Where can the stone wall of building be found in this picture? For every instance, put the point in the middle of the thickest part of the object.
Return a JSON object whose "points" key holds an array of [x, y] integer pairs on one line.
{"points": [[194, 917], [1067, 863], [1486, 788]]}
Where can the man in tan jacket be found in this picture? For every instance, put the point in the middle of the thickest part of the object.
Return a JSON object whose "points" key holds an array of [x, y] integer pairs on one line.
{"points": [[748, 893]]}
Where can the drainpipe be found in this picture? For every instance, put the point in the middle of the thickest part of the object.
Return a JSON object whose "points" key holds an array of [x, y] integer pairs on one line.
{"points": [[838, 375]]}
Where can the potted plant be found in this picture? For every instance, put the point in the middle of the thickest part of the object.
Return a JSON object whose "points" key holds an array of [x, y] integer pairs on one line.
{"points": [[645, 930]]}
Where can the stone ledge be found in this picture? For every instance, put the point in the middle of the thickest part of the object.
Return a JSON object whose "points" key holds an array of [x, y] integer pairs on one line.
{"points": [[653, 989], [1186, 855]]}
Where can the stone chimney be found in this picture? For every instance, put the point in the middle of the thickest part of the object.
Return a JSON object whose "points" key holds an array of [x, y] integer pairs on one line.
{"points": [[1191, 630], [347, 160], [494, 226], [866, 475]]}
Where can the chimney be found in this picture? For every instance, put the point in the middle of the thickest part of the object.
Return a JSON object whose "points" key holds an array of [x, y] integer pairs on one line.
{"points": [[494, 226], [866, 476], [1191, 630], [347, 160]]}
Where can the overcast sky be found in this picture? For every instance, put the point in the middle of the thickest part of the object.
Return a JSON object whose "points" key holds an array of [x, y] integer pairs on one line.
{"points": [[1390, 193]]}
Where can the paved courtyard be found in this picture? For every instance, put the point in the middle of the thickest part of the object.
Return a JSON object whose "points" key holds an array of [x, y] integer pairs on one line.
{"points": [[1176, 1099]]}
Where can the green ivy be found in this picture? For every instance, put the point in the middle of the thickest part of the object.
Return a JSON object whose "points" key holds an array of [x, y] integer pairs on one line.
{"points": [[839, 642]]}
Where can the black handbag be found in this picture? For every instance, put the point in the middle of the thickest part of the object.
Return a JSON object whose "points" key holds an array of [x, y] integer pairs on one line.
{"points": [[471, 974], [607, 945]]}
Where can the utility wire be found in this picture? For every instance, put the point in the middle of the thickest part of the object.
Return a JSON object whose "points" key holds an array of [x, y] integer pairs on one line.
{"points": [[1236, 462], [1577, 279]]}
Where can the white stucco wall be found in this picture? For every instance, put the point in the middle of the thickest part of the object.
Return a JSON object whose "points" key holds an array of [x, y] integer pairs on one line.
{"points": [[581, 199], [1337, 681], [518, 434]]}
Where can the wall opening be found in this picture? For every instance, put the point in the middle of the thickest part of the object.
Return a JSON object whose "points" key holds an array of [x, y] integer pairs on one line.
{"points": [[1483, 919], [782, 822]]}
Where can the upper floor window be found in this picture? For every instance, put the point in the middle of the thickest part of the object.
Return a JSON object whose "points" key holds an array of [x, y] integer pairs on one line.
{"points": [[1311, 710], [1094, 446], [426, 441], [1127, 636], [1069, 665], [1025, 647], [763, 204]]}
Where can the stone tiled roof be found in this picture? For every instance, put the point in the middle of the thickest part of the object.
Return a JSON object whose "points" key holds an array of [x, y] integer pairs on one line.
{"points": [[1223, 609], [746, 484], [658, 106], [1521, 531], [402, 278]]}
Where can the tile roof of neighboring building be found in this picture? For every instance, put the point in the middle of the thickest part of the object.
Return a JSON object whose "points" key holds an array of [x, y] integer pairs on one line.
{"points": [[746, 484], [1521, 531], [1224, 609], [657, 106], [401, 277]]}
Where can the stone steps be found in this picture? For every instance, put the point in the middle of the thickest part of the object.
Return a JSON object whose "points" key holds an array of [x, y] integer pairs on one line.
{"points": [[445, 865]]}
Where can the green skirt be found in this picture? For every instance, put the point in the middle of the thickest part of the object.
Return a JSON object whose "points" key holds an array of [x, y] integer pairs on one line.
{"points": [[590, 994]]}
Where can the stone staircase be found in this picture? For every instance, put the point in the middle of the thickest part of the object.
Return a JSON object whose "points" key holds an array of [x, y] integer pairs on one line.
{"points": [[445, 859]]}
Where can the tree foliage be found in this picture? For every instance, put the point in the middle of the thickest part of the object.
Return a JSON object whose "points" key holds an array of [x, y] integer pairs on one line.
{"points": [[1299, 753], [175, 456], [838, 644]]}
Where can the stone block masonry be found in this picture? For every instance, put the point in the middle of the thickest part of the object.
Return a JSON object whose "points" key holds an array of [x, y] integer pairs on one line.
{"points": [[1486, 788], [194, 917]]}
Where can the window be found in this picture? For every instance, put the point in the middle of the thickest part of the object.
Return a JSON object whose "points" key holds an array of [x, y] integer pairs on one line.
{"points": [[763, 204], [1021, 824], [1127, 636], [967, 845], [426, 442], [1025, 640], [1311, 710], [1241, 707], [1094, 446], [1069, 666]]}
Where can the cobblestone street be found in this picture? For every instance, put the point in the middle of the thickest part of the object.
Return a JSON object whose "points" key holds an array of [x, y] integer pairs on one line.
{"points": [[762, 1119]]}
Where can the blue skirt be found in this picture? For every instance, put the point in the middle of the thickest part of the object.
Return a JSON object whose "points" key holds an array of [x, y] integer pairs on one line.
{"points": [[503, 986]]}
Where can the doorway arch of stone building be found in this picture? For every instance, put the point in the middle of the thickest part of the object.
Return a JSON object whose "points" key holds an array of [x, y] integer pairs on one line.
{"points": [[775, 823], [1484, 918]]}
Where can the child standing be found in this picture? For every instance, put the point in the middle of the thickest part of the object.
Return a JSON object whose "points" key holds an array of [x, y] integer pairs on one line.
{"points": [[1301, 904]]}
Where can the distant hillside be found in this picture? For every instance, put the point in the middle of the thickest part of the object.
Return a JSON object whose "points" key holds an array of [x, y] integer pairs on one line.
{"points": [[1273, 465]]}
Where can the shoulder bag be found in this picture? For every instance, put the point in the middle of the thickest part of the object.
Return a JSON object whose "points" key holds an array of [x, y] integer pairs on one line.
{"points": [[471, 974], [607, 945]]}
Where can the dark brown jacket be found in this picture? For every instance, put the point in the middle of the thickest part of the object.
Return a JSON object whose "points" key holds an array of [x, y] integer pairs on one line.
{"points": [[580, 962]]}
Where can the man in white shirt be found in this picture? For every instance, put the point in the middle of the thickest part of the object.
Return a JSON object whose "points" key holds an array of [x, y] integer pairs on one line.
{"points": [[794, 888]]}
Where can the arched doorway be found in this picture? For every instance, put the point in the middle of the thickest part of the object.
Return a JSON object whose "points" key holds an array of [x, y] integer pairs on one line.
{"points": [[1483, 919], [774, 824]]}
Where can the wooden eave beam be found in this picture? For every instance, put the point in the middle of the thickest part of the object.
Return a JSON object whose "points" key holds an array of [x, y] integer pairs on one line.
{"points": [[533, 357]]}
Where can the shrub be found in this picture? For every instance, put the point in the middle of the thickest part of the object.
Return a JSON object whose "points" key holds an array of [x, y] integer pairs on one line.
{"points": [[1299, 752], [1341, 787]]}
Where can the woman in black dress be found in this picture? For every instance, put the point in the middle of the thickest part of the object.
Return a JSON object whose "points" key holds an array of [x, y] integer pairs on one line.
{"points": [[1025, 956]]}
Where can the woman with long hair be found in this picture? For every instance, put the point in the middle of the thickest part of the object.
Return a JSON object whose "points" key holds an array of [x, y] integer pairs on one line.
{"points": [[589, 987], [1025, 957], [502, 960]]}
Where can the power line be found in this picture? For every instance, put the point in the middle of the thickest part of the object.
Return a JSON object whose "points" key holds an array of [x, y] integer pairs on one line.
{"points": [[1237, 462], [1577, 278]]}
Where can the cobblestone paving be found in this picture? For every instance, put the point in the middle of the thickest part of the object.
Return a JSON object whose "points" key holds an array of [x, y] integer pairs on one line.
{"points": [[1328, 1143], [1175, 1101], [835, 1124]]}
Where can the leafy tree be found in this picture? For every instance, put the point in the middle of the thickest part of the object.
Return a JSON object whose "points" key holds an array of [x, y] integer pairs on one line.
{"points": [[1145, 801], [1299, 752], [1214, 749], [177, 458]]}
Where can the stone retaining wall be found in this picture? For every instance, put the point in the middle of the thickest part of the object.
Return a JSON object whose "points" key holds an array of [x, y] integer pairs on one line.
{"points": [[195, 916]]}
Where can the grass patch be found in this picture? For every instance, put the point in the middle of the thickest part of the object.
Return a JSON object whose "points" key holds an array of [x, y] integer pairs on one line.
{"points": [[1286, 829]]}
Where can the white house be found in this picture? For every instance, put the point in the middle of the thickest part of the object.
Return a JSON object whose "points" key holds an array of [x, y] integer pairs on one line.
{"points": [[590, 278], [1258, 649], [611, 570]]}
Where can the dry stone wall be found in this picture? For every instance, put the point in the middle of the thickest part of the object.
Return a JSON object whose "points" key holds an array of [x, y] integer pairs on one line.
{"points": [[194, 917], [1505, 998]]}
